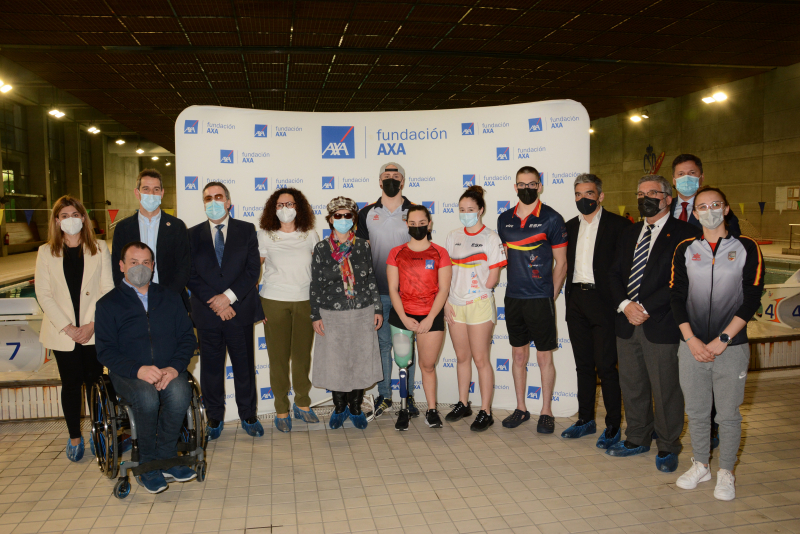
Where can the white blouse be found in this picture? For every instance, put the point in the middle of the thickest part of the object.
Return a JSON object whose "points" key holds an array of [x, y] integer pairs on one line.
{"points": [[287, 264]]}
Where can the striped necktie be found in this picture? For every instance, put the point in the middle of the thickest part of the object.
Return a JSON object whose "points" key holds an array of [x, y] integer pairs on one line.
{"points": [[639, 263]]}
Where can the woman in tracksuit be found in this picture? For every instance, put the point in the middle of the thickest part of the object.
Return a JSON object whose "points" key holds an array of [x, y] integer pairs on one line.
{"points": [[716, 287]]}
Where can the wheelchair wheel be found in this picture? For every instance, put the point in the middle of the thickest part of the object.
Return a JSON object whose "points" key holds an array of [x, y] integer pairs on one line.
{"points": [[199, 413], [200, 469], [104, 427], [122, 488]]}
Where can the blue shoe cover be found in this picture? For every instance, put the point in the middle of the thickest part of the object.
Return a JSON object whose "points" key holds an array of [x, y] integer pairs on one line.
{"points": [[284, 424], [359, 421], [338, 419], [604, 443], [668, 464], [715, 436], [213, 433], [579, 431], [75, 452], [619, 449], [255, 429], [307, 416], [91, 447]]}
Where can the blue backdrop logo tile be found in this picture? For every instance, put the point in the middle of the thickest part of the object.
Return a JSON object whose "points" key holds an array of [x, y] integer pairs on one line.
{"points": [[260, 130], [503, 153], [262, 343], [395, 384], [502, 365], [534, 392], [503, 205], [190, 126], [190, 183], [469, 180], [266, 394], [328, 182], [229, 372], [535, 125], [226, 156], [431, 205], [338, 142], [501, 313], [262, 184], [467, 128]]}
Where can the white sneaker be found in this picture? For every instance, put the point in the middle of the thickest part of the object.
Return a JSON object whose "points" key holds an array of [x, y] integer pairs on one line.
{"points": [[725, 490], [698, 473]]}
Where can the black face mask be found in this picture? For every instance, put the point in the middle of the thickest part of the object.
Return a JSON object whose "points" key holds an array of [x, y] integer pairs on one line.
{"points": [[649, 207], [586, 205], [391, 187], [527, 196], [418, 232]]}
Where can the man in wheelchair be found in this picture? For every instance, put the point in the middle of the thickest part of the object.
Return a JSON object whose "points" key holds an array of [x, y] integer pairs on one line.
{"points": [[145, 338]]}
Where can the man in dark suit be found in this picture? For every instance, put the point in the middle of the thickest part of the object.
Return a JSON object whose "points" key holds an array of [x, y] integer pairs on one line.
{"points": [[225, 270], [592, 238], [647, 336], [687, 177], [163, 233]]}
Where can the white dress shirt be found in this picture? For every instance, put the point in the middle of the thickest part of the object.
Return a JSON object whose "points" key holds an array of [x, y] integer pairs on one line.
{"points": [[148, 233], [584, 250], [678, 207], [658, 225], [228, 293]]}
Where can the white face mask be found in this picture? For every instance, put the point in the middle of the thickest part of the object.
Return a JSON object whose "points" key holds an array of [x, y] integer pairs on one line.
{"points": [[71, 226], [711, 218], [286, 215]]}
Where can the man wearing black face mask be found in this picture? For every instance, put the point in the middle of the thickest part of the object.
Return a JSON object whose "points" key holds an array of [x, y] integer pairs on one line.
{"points": [[535, 238], [647, 335], [383, 224], [592, 238]]}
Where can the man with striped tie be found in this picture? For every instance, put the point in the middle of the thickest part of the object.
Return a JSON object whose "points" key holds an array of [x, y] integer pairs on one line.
{"points": [[647, 336]]}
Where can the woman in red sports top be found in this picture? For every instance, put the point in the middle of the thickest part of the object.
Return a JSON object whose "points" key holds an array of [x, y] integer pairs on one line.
{"points": [[419, 275]]}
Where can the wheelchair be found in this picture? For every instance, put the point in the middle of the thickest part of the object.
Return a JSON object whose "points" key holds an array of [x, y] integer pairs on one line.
{"points": [[113, 416]]}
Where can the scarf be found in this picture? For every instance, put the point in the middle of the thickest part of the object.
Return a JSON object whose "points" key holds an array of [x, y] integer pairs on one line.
{"points": [[341, 253]]}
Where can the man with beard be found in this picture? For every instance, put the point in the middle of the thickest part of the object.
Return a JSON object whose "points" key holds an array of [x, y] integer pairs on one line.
{"points": [[534, 236], [647, 335]]}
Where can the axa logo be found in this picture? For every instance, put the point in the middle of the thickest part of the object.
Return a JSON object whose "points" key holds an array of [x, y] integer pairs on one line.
{"points": [[190, 183], [467, 128], [338, 142], [501, 313], [260, 130], [262, 343], [266, 394], [328, 182], [262, 184], [395, 384], [469, 180], [472, 387], [502, 365], [535, 125], [226, 156], [503, 153], [326, 233], [229, 372], [232, 211], [361, 205], [190, 126], [534, 392], [503, 206], [431, 205], [430, 265]]}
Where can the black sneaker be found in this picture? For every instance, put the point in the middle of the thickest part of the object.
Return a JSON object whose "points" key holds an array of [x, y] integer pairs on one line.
{"points": [[482, 422], [516, 418], [402, 420], [381, 405], [413, 411], [458, 412], [546, 424], [432, 419]]}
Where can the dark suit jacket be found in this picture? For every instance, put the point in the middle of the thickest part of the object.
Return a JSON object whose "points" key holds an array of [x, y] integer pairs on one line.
{"points": [[241, 267], [731, 219], [654, 293], [173, 261], [611, 227]]}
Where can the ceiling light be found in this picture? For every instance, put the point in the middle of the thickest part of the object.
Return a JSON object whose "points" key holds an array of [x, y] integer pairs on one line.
{"points": [[120, 141], [168, 164], [55, 113], [719, 97], [154, 158], [93, 129], [644, 116], [591, 130], [4, 88], [709, 99], [139, 151], [636, 118]]}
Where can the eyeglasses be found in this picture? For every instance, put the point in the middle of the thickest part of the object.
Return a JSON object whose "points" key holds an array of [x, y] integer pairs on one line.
{"points": [[218, 197], [650, 194], [531, 185], [713, 206], [289, 205], [342, 215]]}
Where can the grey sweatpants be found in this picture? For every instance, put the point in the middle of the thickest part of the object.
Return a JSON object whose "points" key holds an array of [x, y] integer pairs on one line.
{"points": [[727, 374]]}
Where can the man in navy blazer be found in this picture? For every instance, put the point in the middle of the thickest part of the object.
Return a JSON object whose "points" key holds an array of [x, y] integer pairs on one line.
{"points": [[687, 177], [224, 275]]}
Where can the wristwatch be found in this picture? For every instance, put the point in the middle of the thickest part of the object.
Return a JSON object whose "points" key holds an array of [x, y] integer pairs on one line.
{"points": [[725, 338]]}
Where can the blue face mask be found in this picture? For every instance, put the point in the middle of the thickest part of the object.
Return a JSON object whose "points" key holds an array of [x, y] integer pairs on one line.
{"points": [[343, 225], [687, 185], [150, 202], [215, 210], [468, 219]]}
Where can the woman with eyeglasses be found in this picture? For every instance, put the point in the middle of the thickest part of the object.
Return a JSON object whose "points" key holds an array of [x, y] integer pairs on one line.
{"points": [[73, 270], [716, 286], [418, 274], [346, 311], [286, 241], [477, 255]]}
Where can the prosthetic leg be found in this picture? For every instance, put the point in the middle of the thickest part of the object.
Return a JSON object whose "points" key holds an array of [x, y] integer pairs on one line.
{"points": [[403, 345]]}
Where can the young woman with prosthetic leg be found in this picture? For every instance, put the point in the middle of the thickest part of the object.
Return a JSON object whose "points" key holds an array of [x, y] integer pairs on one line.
{"points": [[477, 255], [418, 274]]}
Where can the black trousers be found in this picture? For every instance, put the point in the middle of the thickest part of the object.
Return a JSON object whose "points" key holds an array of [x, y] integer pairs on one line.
{"points": [[77, 367], [590, 321], [238, 341]]}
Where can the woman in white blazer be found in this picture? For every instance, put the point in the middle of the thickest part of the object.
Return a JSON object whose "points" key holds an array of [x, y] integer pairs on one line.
{"points": [[73, 270]]}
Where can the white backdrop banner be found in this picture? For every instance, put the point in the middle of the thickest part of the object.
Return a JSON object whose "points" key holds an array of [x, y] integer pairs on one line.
{"points": [[255, 152]]}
